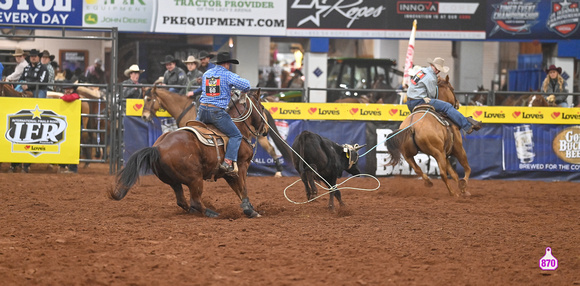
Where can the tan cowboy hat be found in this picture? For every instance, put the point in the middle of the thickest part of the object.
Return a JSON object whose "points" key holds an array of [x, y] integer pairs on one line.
{"points": [[191, 59], [19, 52], [439, 64], [133, 68]]}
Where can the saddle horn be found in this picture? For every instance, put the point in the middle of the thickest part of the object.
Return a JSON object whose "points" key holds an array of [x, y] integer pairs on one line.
{"points": [[358, 147]]}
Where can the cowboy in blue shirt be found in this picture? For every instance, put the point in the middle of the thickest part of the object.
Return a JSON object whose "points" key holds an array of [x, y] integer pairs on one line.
{"points": [[423, 89], [216, 85]]}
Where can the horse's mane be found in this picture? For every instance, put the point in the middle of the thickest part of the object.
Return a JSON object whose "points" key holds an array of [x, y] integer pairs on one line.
{"points": [[444, 83]]}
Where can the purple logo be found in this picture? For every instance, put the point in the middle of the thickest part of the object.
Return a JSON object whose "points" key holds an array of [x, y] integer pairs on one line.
{"points": [[548, 262]]}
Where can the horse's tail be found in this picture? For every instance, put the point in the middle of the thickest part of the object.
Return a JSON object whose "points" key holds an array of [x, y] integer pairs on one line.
{"points": [[278, 141], [394, 144], [143, 160]]}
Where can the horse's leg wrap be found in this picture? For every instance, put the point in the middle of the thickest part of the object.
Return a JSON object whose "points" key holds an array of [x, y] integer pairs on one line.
{"points": [[278, 165], [248, 208], [210, 213]]}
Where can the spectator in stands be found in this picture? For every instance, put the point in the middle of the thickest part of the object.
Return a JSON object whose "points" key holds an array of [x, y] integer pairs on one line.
{"points": [[70, 95], [271, 80], [46, 60], [95, 73], [35, 72], [133, 72], [193, 74], [21, 64], [173, 75], [204, 58], [296, 81], [555, 83], [1, 71]]}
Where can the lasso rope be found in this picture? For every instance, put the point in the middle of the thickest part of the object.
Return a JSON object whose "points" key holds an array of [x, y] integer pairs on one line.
{"points": [[335, 187]]}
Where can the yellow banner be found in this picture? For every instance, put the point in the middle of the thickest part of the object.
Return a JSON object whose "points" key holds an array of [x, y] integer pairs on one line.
{"points": [[134, 107], [38, 130], [396, 112]]}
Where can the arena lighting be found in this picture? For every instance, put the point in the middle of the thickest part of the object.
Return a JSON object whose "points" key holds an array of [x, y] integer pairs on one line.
{"points": [[231, 43]]}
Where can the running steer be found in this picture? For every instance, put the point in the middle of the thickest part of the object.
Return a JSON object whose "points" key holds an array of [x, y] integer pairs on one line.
{"points": [[327, 158]]}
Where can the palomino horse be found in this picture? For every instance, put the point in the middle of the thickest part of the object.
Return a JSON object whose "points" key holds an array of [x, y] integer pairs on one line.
{"points": [[182, 108], [425, 133], [179, 158]]}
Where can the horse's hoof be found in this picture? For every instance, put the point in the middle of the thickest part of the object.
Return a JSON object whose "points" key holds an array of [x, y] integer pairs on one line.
{"points": [[210, 213], [428, 184], [251, 214], [466, 194], [462, 184], [278, 175]]}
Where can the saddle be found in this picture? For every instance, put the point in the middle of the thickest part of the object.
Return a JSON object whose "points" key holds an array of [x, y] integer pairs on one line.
{"points": [[442, 119], [422, 108], [207, 134]]}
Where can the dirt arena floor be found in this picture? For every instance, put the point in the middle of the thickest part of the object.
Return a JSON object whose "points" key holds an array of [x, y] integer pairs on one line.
{"points": [[62, 229]]}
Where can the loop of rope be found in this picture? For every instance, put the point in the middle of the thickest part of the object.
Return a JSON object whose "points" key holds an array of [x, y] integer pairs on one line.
{"points": [[332, 189]]}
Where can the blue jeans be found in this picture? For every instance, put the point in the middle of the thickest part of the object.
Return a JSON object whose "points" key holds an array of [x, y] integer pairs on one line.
{"points": [[40, 93], [222, 121], [443, 107]]}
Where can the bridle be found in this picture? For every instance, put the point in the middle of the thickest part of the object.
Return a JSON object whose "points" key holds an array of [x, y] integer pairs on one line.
{"points": [[148, 93], [247, 115]]}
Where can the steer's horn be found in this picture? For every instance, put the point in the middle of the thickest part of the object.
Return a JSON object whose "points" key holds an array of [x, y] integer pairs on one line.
{"points": [[358, 147]]}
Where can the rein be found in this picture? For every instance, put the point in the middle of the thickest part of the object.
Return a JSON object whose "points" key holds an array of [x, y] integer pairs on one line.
{"points": [[244, 117]]}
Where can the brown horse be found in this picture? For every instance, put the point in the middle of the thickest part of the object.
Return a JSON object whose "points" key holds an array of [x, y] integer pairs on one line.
{"points": [[9, 91], [423, 132], [179, 158], [182, 108], [540, 100]]}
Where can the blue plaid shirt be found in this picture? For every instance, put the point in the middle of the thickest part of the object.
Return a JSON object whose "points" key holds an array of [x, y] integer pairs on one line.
{"points": [[216, 86]]}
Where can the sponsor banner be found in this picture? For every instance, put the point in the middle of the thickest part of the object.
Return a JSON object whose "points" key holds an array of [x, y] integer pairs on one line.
{"points": [[533, 19], [338, 18], [337, 111], [56, 12], [127, 15], [432, 16], [386, 19], [396, 112], [222, 17], [134, 107], [528, 147], [40, 130]]}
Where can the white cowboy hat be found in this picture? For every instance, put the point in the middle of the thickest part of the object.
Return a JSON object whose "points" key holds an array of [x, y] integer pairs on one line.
{"points": [[439, 64], [191, 59], [133, 68]]}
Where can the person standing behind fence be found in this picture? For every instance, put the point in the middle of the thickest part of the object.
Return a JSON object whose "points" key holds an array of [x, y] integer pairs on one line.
{"points": [[133, 72], [174, 75], [69, 96], [21, 63], [554, 83], [193, 74], [204, 64], [95, 73], [46, 60], [35, 72]]}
